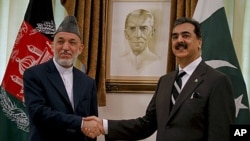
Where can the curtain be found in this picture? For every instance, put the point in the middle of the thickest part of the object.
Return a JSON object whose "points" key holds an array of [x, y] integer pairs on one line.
{"points": [[245, 46], [91, 19], [92, 59]]}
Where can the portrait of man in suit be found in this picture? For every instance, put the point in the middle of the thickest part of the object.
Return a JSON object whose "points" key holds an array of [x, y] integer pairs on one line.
{"points": [[140, 50], [139, 30]]}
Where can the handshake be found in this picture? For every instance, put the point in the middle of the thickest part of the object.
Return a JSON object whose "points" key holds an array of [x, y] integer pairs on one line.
{"points": [[92, 126]]}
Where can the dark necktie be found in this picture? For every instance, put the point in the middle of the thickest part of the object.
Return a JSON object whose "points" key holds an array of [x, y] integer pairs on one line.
{"points": [[177, 86]]}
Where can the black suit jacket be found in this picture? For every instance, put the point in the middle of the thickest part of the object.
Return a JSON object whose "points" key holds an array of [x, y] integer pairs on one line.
{"points": [[203, 111], [51, 114]]}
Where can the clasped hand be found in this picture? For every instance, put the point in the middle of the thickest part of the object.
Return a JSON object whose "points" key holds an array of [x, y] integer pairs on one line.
{"points": [[92, 126]]}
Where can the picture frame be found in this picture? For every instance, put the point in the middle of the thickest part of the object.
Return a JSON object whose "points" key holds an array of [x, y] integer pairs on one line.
{"points": [[136, 72]]}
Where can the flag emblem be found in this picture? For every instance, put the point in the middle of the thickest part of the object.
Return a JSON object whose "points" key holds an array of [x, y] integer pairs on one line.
{"points": [[32, 47]]}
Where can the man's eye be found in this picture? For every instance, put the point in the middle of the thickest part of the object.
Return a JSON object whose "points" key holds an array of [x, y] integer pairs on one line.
{"points": [[185, 36], [143, 28], [132, 28], [72, 42], [60, 42], [174, 37]]}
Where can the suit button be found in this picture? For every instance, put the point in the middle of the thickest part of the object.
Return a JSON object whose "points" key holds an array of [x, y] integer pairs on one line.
{"points": [[168, 126]]}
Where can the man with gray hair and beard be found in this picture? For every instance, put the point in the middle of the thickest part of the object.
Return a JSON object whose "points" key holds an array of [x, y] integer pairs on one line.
{"points": [[57, 95]]}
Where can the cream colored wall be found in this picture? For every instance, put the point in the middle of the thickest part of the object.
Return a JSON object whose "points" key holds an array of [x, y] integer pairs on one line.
{"points": [[125, 106]]}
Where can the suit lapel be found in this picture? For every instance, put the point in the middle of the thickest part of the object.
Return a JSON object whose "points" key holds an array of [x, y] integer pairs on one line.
{"points": [[193, 82], [56, 80], [167, 93], [77, 87]]}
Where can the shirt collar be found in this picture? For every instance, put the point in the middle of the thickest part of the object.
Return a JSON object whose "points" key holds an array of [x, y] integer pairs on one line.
{"points": [[189, 69]]}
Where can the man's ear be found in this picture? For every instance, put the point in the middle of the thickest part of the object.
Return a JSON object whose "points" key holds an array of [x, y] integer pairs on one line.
{"points": [[125, 34], [153, 31], [80, 49], [51, 45], [200, 43]]}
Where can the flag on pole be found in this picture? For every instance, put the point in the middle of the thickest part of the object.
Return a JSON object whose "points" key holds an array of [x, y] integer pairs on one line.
{"points": [[32, 47], [218, 51]]}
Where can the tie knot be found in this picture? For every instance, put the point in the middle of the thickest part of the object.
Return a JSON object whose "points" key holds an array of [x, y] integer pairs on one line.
{"points": [[178, 79], [181, 74]]}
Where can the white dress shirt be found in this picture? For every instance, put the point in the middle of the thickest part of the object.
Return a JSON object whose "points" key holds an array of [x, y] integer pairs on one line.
{"points": [[67, 77], [189, 69]]}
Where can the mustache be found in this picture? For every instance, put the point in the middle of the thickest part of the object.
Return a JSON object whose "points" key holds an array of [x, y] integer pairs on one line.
{"points": [[179, 45], [64, 52]]}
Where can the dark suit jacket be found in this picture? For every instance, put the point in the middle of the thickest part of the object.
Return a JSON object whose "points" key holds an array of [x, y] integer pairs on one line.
{"points": [[51, 114], [203, 111]]}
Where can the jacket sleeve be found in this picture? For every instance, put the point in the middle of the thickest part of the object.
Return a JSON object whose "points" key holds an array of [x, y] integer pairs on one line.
{"points": [[221, 110]]}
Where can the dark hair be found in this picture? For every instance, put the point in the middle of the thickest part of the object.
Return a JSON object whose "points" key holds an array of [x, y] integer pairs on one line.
{"points": [[195, 23]]}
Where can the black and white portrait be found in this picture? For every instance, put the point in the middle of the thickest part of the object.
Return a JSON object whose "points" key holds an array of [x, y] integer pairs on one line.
{"points": [[139, 38]]}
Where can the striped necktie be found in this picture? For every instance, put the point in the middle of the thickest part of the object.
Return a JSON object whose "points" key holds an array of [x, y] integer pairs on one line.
{"points": [[177, 86]]}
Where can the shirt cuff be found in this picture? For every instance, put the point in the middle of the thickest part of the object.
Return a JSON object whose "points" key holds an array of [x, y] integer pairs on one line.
{"points": [[82, 123], [105, 125]]}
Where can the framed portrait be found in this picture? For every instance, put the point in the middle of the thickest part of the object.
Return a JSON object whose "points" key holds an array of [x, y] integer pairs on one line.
{"points": [[137, 33]]}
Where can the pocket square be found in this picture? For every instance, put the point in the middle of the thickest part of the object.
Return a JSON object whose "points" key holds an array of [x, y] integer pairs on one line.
{"points": [[195, 95]]}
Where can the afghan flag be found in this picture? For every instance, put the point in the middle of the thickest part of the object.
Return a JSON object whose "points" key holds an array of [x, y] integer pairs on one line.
{"points": [[32, 47], [218, 51]]}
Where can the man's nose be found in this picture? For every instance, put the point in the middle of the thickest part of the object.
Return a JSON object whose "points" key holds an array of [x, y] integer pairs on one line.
{"points": [[180, 39], [66, 46], [138, 32]]}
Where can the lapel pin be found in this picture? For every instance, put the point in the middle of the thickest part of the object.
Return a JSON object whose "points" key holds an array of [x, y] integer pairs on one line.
{"points": [[196, 80]]}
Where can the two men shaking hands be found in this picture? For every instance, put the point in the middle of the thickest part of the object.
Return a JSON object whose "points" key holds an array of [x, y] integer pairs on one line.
{"points": [[92, 126]]}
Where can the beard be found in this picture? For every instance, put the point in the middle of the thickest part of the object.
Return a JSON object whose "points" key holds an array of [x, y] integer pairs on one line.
{"points": [[65, 62]]}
